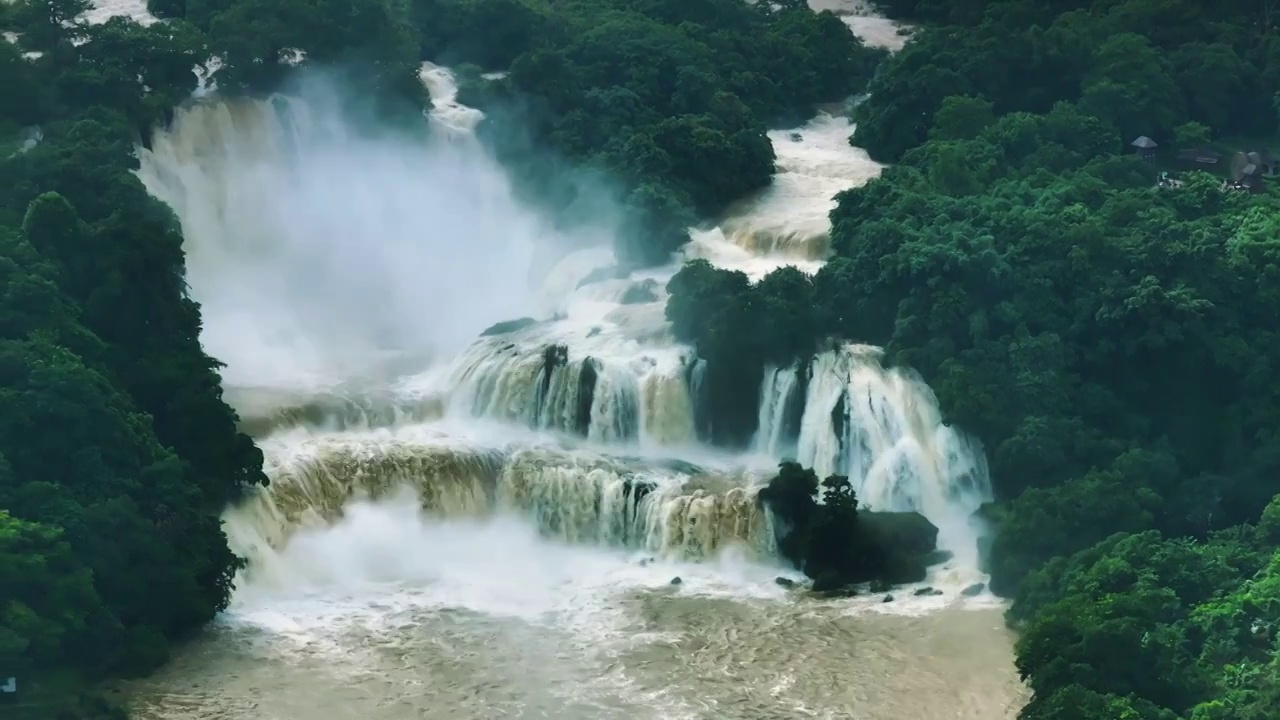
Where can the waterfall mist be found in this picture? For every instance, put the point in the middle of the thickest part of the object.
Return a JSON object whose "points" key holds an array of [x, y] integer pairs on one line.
{"points": [[324, 250]]}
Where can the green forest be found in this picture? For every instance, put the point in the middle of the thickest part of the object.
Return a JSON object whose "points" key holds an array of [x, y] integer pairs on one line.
{"points": [[1109, 339]]}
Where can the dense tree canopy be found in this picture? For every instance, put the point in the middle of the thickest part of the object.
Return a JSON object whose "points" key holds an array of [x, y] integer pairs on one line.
{"points": [[117, 453], [1109, 338]]}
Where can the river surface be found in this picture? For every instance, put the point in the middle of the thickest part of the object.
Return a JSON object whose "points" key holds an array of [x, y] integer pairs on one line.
{"points": [[487, 620]]}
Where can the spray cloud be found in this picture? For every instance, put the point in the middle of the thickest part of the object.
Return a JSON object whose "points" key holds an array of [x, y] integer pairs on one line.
{"points": [[323, 249]]}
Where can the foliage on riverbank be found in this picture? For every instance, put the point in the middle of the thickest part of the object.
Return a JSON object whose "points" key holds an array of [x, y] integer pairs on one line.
{"points": [[1111, 342], [116, 451]]}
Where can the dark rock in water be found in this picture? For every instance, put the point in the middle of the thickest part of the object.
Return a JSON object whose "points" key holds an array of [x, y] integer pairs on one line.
{"points": [[554, 356], [927, 592], [844, 591], [508, 326], [676, 580], [879, 586], [635, 489], [908, 540], [887, 599], [827, 582], [937, 557], [839, 416], [838, 545], [785, 582], [832, 585], [909, 532], [974, 590], [586, 394], [795, 137], [640, 293]]}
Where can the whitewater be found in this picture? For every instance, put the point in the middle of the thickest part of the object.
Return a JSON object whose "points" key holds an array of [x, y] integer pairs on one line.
{"points": [[489, 498]]}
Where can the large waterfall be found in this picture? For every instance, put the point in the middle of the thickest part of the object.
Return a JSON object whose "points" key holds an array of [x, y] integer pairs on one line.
{"points": [[392, 318], [485, 468]]}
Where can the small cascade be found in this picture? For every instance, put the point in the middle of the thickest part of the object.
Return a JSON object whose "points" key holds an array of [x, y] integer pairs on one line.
{"points": [[882, 428], [788, 223], [778, 396], [860, 17], [135, 10], [261, 414], [548, 387], [543, 389], [447, 113], [666, 410], [603, 501]]}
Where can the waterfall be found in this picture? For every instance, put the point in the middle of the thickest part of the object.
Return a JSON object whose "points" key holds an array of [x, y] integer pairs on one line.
{"points": [[776, 399], [683, 512], [882, 428], [393, 320], [321, 251]]}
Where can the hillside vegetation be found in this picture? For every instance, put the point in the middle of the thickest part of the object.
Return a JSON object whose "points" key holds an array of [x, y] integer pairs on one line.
{"points": [[117, 453], [1112, 343]]}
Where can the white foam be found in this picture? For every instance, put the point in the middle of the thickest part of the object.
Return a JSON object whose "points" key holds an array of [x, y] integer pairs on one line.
{"points": [[104, 10], [788, 224], [385, 557], [872, 28]]}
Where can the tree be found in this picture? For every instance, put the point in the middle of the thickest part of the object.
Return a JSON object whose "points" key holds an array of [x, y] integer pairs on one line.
{"points": [[49, 594], [52, 25], [961, 117], [1191, 134]]}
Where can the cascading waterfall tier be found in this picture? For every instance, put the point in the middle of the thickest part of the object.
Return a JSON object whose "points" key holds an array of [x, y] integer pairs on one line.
{"points": [[882, 429], [604, 367], [781, 407], [669, 509], [264, 411], [447, 113], [533, 380]]}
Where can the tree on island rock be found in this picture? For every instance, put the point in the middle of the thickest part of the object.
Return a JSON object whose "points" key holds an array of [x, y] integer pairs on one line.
{"points": [[837, 544]]}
